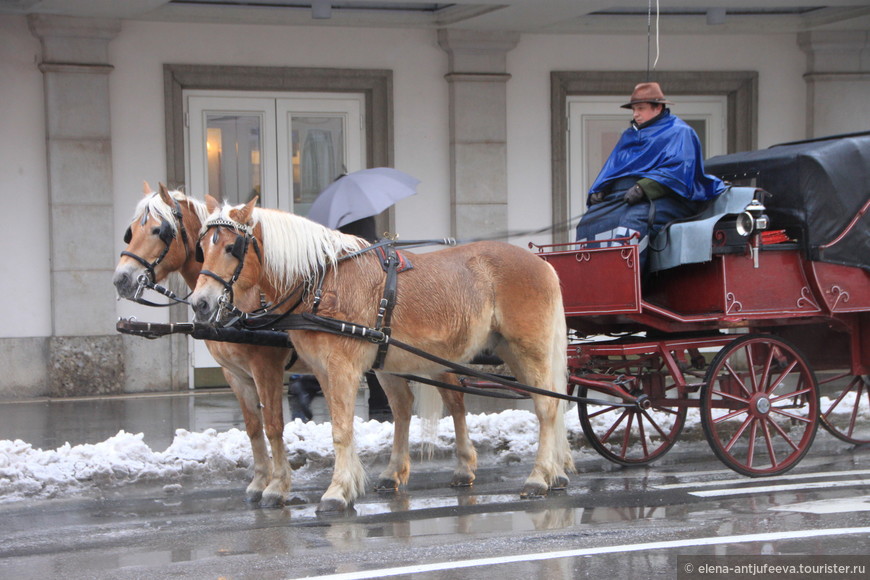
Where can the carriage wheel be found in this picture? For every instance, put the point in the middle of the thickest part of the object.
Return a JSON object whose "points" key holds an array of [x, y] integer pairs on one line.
{"points": [[759, 405], [845, 405], [631, 435]]}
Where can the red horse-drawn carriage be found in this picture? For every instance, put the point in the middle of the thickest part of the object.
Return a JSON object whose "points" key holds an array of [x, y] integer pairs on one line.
{"points": [[757, 313]]}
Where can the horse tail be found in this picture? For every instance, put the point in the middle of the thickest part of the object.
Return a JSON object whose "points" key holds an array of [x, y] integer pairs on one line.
{"points": [[559, 369], [430, 409]]}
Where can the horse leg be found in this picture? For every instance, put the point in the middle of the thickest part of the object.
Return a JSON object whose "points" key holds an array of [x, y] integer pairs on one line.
{"points": [[268, 376], [536, 368], [549, 469], [340, 387], [246, 393], [466, 455], [401, 400]]}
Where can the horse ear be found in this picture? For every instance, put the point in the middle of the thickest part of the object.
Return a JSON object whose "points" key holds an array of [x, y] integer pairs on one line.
{"points": [[146, 189], [164, 194], [243, 215], [211, 203]]}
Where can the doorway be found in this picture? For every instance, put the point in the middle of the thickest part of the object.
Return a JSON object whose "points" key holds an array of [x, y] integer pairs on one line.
{"points": [[283, 148]]}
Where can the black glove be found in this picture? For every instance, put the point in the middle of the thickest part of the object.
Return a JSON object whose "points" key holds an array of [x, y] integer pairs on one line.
{"points": [[634, 195], [596, 197]]}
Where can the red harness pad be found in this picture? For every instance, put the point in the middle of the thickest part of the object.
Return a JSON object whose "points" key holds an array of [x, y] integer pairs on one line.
{"points": [[404, 263]]}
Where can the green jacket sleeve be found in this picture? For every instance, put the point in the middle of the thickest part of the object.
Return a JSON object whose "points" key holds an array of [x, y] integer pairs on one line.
{"points": [[653, 189]]}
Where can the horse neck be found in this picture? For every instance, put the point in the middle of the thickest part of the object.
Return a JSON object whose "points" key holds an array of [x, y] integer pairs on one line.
{"points": [[190, 269]]}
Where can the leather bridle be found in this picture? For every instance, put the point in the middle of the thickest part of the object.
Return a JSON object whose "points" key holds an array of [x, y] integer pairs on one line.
{"points": [[239, 250], [166, 233]]}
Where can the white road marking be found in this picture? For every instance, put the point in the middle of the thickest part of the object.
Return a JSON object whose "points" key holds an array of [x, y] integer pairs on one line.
{"points": [[668, 545], [783, 487], [840, 505], [788, 476]]}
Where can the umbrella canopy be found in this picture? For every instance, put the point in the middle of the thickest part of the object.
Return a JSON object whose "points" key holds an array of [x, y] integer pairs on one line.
{"points": [[361, 194]]}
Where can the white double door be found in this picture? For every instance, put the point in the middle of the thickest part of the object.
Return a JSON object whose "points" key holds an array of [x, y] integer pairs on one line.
{"points": [[283, 147]]}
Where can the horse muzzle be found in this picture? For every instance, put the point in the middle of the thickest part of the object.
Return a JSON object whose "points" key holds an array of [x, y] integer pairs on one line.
{"points": [[205, 308], [126, 283]]}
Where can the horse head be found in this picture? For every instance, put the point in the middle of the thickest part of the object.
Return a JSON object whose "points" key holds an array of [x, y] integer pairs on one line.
{"points": [[232, 263], [158, 241]]}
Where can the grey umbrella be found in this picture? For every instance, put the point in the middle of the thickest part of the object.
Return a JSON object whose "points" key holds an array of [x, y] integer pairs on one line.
{"points": [[361, 194]]}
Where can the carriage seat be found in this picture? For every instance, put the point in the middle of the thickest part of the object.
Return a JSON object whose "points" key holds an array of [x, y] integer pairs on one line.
{"points": [[691, 241]]}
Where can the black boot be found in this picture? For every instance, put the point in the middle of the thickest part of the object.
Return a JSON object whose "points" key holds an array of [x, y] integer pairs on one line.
{"points": [[302, 389]]}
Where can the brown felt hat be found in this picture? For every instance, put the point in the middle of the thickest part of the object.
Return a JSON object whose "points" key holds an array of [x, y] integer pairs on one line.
{"points": [[647, 93]]}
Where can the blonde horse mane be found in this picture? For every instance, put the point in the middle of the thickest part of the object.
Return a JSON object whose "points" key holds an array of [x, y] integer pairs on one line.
{"points": [[153, 204], [295, 248]]}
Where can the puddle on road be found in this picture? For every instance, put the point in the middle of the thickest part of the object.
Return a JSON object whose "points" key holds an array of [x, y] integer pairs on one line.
{"points": [[405, 520]]}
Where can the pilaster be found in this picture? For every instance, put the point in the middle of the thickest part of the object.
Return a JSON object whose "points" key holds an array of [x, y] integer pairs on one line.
{"points": [[477, 80], [85, 353], [838, 79]]}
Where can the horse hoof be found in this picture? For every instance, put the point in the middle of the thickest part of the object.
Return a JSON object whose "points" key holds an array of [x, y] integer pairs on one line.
{"points": [[272, 501], [331, 506], [531, 491], [560, 482], [253, 496], [387, 485], [463, 480]]}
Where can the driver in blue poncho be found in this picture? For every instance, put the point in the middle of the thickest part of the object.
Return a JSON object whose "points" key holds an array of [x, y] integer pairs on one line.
{"points": [[654, 175]]}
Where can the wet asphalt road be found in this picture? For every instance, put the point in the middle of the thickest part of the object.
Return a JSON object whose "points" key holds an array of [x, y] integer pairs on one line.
{"points": [[611, 522]]}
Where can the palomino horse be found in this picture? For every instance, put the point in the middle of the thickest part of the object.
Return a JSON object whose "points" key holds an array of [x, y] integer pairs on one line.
{"points": [[453, 304], [161, 240]]}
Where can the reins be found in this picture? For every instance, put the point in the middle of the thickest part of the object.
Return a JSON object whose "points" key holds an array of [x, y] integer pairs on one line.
{"points": [[317, 323]]}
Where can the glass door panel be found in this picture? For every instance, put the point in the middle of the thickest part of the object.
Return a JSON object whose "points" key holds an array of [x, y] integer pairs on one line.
{"points": [[234, 147], [228, 147], [318, 157], [319, 139]]}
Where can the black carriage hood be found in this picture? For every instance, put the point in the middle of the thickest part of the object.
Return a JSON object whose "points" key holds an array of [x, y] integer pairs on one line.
{"points": [[818, 187]]}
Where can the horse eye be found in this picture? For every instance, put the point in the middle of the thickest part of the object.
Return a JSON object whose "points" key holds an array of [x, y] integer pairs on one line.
{"points": [[155, 231], [229, 249]]}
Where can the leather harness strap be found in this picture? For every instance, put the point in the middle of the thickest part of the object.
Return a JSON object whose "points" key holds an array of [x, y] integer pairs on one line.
{"points": [[393, 262], [390, 264]]}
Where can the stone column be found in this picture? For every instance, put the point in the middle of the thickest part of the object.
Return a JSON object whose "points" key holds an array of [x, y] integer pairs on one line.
{"points": [[478, 129], [85, 352], [838, 80]]}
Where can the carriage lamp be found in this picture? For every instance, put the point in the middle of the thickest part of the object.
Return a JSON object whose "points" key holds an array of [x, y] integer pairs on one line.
{"points": [[753, 219], [752, 222]]}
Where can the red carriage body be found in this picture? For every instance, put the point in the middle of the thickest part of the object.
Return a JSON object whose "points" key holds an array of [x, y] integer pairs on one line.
{"points": [[767, 335]]}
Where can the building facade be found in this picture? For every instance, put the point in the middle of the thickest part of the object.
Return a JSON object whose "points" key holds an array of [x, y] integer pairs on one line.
{"points": [[90, 107]]}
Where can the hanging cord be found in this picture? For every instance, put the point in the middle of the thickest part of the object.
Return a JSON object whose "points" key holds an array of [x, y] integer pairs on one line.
{"points": [[649, 37]]}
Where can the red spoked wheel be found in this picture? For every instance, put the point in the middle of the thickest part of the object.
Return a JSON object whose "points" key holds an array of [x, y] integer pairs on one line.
{"points": [[634, 434], [759, 405], [845, 402]]}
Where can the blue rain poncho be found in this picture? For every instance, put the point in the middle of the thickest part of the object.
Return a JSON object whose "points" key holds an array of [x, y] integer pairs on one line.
{"points": [[667, 151]]}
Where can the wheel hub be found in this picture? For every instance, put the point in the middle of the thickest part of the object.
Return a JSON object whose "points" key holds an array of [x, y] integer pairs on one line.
{"points": [[760, 404]]}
